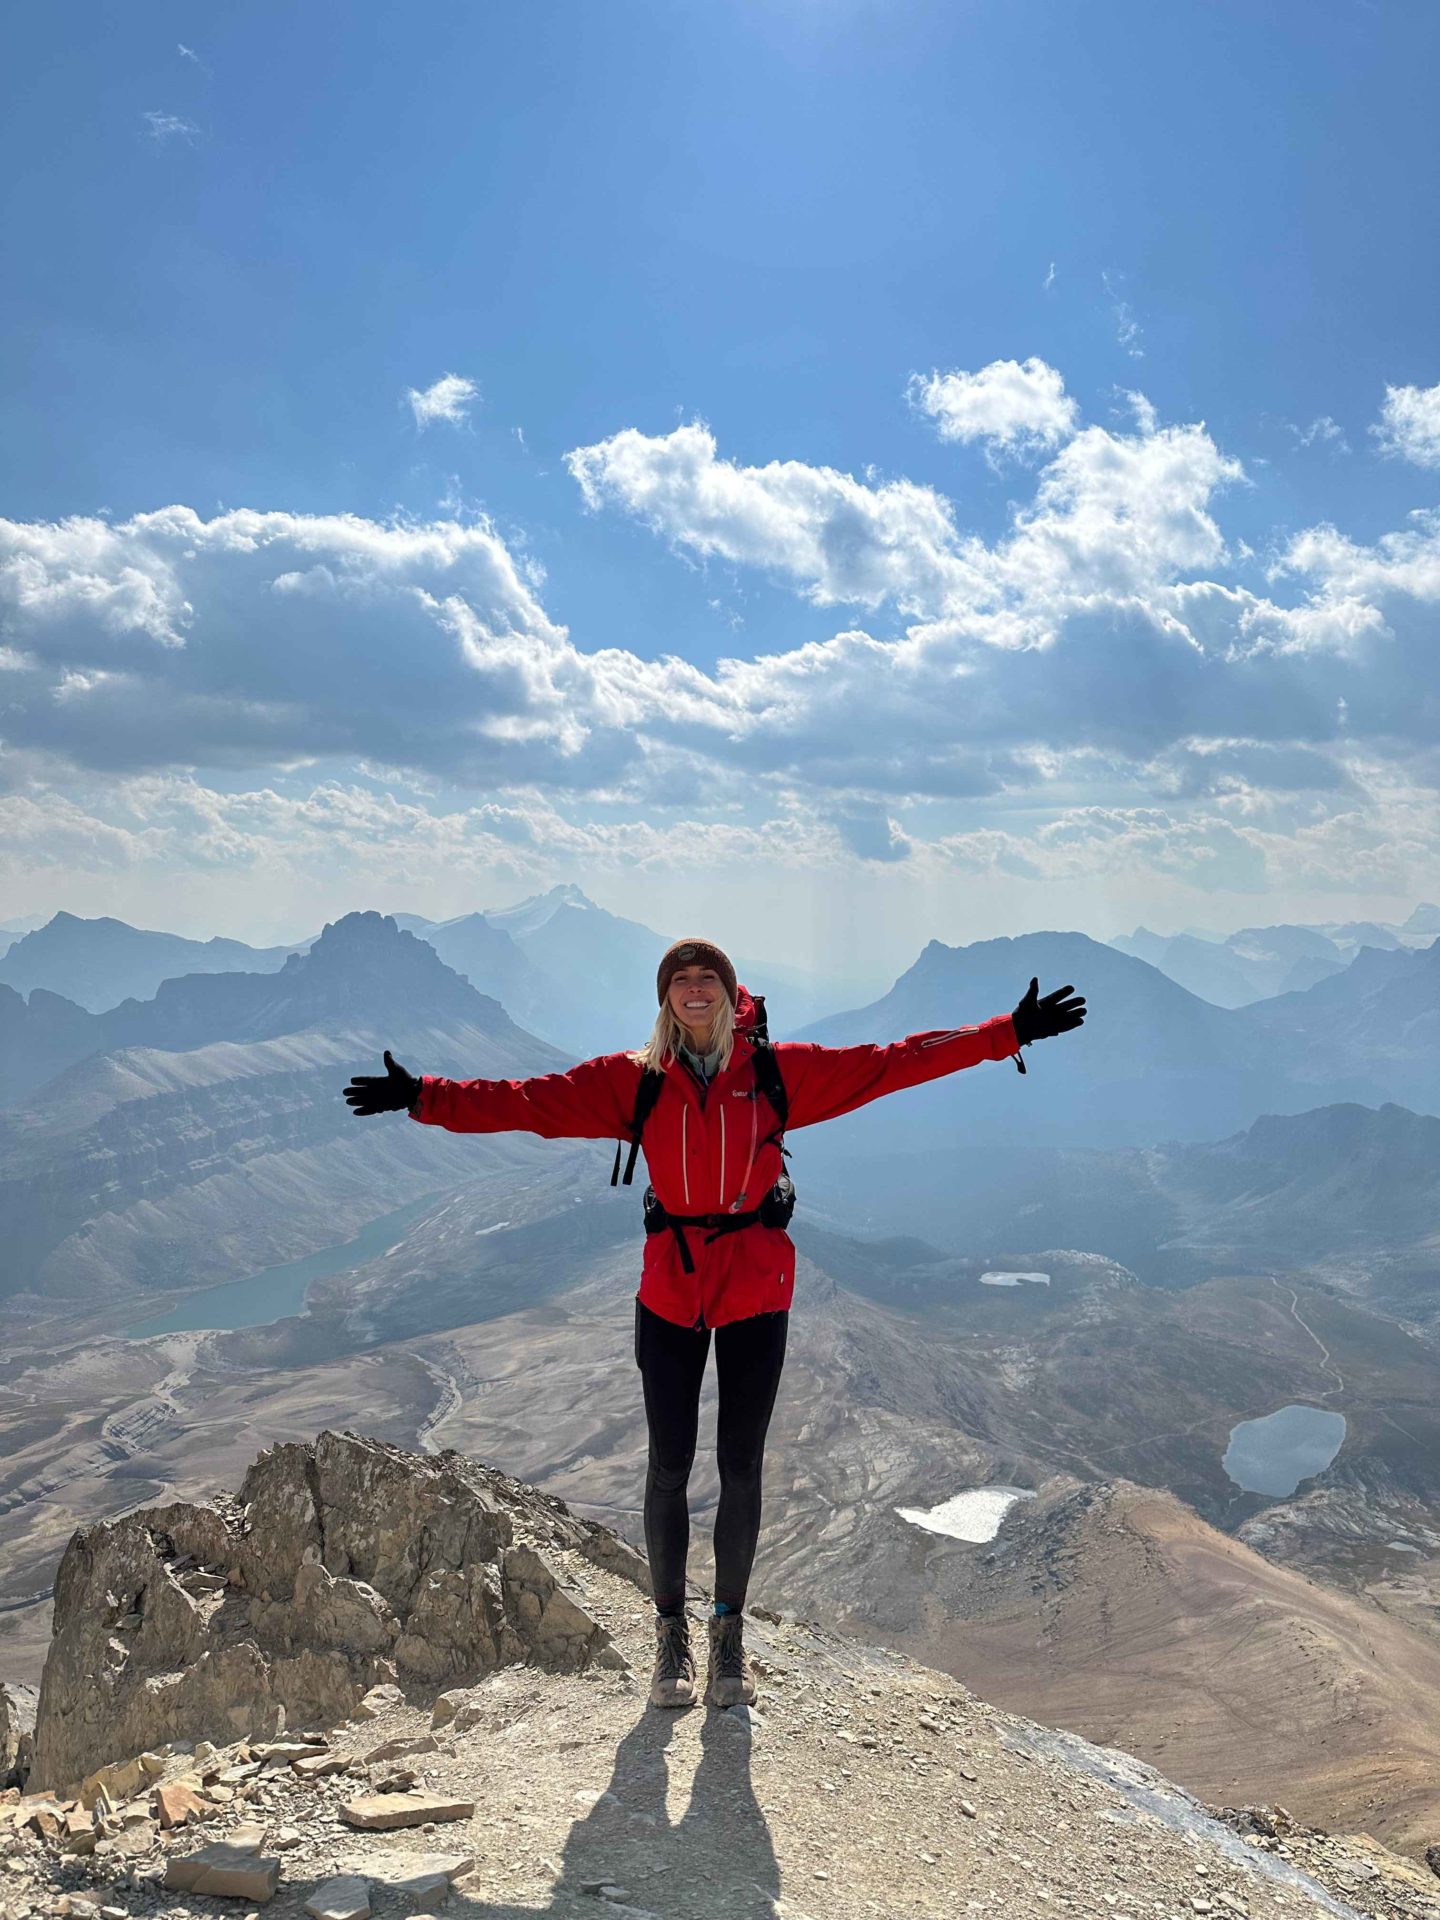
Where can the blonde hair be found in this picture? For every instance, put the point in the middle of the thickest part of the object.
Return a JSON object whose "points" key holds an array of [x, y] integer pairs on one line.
{"points": [[668, 1035]]}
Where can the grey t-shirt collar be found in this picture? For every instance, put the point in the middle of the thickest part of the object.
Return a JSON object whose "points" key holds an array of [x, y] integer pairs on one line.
{"points": [[706, 1065]]}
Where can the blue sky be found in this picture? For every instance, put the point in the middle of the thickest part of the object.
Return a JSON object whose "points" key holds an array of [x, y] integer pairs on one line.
{"points": [[1040, 405]]}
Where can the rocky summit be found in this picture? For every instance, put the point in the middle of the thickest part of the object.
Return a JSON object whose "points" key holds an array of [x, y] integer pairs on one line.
{"points": [[377, 1683], [343, 1564]]}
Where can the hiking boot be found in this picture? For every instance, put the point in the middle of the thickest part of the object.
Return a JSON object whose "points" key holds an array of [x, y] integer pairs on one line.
{"points": [[672, 1684], [731, 1679]]}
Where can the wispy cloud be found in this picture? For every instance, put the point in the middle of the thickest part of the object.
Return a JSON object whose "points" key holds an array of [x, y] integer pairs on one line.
{"points": [[449, 399], [1322, 431], [169, 126], [1146, 418], [1127, 327], [1409, 424], [1049, 279]]}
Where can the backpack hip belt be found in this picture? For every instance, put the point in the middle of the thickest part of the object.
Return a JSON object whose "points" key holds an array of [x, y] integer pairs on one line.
{"points": [[773, 1211], [718, 1223]]}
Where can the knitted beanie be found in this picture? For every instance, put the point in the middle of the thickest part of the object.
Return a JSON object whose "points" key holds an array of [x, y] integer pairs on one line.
{"points": [[695, 953]]}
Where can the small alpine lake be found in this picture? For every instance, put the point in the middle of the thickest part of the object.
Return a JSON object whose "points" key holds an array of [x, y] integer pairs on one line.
{"points": [[1275, 1453]]}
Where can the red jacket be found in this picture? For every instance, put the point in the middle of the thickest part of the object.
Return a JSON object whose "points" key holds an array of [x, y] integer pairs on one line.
{"points": [[702, 1159]]}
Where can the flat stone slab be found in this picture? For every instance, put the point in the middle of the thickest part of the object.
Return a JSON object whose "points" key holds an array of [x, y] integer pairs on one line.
{"points": [[419, 1876], [287, 1750], [381, 1810], [346, 1896], [396, 1749], [230, 1872], [315, 1765]]}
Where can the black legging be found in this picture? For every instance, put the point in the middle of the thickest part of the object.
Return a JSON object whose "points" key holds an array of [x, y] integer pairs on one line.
{"points": [[749, 1354]]}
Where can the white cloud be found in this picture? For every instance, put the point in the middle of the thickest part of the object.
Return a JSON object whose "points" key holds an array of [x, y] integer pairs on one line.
{"points": [[449, 399], [169, 126], [839, 539], [1016, 408], [1095, 645], [1349, 574], [1409, 424], [1112, 514]]}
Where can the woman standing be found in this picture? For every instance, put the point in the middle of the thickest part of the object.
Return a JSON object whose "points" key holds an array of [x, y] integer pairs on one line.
{"points": [[717, 1258]]}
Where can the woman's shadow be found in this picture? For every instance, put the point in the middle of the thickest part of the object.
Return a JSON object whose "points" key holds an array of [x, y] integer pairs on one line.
{"points": [[717, 1858]]}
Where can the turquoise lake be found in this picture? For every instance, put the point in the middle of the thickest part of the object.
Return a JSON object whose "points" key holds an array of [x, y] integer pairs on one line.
{"points": [[278, 1292]]}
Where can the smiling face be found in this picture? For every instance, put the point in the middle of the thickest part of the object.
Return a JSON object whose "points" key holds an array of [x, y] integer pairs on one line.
{"points": [[694, 993]]}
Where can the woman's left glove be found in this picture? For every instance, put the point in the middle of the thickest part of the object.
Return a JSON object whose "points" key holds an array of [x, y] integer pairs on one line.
{"points": [[384, 1092], [1042, 1018]]}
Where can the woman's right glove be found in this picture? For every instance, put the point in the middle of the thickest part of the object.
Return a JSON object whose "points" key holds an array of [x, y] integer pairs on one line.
{"points": [[384, 1092], [1042, 1019]]}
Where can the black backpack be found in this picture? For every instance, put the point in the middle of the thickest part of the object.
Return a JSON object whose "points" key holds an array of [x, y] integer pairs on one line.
{"points": [[779, 1203]]}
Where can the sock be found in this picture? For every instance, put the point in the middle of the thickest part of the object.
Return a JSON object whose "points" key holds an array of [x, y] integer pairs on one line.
{"points": [[724, 1606], [672, 1610]]}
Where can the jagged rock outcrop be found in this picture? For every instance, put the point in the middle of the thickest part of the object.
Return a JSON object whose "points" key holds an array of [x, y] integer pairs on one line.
{"points": [[17, 1733], [342, 1563]]}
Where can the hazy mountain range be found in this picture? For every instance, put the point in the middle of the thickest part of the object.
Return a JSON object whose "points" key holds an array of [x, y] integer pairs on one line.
{"points": [[161, 1102], [1152, 1063], [564, 968], [1257, 962], [99, 963], [1337, 1186], [578, 975], [203, 1134]]}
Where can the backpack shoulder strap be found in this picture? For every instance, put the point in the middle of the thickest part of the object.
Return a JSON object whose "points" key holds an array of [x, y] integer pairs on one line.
{"points": [[771, 1082], [646, 1094]]}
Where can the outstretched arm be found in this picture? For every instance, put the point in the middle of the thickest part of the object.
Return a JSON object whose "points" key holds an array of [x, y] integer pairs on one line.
{"points": [[824, 1082], [592, 1101]]}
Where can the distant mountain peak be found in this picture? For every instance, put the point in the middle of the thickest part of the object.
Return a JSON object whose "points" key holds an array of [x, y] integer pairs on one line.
{"points": [[365, 923], [530, 914], [365, 934]]}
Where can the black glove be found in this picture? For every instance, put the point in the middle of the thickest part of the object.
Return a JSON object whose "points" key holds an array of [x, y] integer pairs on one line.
{"points": [[1042, 1019], [384, 1092]]}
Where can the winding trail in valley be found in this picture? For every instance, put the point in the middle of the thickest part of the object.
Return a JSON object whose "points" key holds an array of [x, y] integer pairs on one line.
{"points": [[1325, 1361]]}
